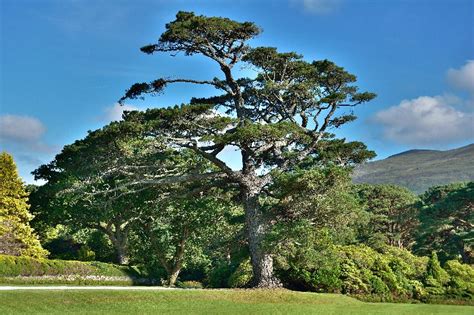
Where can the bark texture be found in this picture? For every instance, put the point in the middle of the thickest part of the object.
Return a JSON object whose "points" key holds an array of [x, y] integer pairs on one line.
{"points": [[118, 235], [262, 262]]}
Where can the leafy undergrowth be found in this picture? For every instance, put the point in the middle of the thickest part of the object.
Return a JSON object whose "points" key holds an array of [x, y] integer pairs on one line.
{"points": [[205, 302]]}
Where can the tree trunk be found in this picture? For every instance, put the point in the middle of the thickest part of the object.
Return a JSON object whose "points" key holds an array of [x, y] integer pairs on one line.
{"points": [[122, 255], [120, 242], [262, 263], [173, 276]]}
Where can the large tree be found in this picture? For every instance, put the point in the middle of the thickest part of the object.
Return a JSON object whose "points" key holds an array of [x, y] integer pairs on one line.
{"points": [[276, 119], [447, 222], [16, 235], [116, 178], [76, 196]]}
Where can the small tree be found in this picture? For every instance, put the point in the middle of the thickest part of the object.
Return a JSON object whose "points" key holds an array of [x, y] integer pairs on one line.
{"points": [[435, 277], [16, 235], [276, 120], [393, 214], [176, 230]]}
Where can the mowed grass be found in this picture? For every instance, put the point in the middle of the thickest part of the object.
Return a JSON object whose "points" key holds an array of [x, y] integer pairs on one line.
{"points": [[204, 302]]}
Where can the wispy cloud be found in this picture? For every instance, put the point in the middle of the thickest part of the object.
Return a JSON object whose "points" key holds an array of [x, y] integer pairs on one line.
{"points": [[115, 112], [20, 128], [24, 132], [23, 137], [319, 7], [463, 78], [427, 120]]}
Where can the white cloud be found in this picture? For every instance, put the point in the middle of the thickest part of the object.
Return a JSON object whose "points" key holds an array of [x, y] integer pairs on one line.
{"points": [[114, 112], [317, 6], [426, 120], [22, 136], [20, 128], [463, 78]]}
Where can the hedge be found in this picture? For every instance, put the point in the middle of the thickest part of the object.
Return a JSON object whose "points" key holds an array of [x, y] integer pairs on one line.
{"points": [[391, 274], [11, 266]]}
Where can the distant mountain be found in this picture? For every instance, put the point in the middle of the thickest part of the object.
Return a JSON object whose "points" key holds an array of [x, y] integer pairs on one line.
{"points": [[420, 169]]}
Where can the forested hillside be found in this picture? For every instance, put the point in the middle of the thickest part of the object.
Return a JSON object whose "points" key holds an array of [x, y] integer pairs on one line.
{"points": [[418, 170]]}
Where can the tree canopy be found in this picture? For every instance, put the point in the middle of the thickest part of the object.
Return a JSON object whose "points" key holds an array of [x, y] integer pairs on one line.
{"points": [[393, 215], [276, 120], [280, 120]]}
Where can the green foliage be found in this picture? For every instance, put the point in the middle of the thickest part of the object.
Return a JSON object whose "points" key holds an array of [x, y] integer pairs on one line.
{"points": [[447, 222], [390, 274], [393, 216], [177, 230], [16, 235], [100, 245], [12, 266], [242, 276], [360, 270], [461, 283], [319, 199], [435, 277], [218, 276]]}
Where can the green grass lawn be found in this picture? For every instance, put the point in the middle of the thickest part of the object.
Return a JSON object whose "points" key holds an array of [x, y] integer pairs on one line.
{"points": [[205, 302]]}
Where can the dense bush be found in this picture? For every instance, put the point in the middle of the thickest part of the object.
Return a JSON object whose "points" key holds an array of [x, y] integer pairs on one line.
{"points": [[365, 271], [219, 275], [242, 276], [461, 280], [12, 266], [388, 274]]}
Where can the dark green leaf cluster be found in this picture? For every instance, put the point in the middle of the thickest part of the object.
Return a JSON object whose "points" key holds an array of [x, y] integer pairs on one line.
{"points": [[447, 222], [393, 215], [210, 36]]}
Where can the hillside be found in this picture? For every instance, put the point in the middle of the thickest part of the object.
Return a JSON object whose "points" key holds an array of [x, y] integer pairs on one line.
{"points": [[420, 169]]}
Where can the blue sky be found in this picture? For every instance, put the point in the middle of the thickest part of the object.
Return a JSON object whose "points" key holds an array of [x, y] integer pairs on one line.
{"points": [[65, 63]]}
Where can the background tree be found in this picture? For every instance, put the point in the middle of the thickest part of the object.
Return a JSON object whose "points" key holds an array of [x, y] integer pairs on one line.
{"points": [[316, 211], [322, 199], [16, 236], [393, 215], [76, 197], [447, 222], [276, 120], [176, 230]]}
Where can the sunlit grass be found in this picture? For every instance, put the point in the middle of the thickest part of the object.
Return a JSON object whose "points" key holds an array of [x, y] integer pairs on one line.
{"points": [[204, 302]]}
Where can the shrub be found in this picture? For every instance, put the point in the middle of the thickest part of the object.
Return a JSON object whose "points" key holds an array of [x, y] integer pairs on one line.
{"points": [[435, 277], [385, 275], [242, 276], [354, 280], [218, 277], [327, 279], [461, 279], [378, 286], [12, 266]]}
